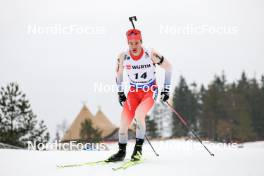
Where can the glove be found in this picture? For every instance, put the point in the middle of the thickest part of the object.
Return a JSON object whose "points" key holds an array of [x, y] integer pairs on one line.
{"points": [[164, 95], [122, 98]]}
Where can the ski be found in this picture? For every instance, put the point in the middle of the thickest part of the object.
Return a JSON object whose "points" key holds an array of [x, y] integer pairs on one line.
{"points": [[127, 164], [93, 163]]}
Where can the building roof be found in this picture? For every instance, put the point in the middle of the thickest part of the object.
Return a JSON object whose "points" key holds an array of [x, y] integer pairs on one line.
{"points": [[99, 121], [103, 123]]}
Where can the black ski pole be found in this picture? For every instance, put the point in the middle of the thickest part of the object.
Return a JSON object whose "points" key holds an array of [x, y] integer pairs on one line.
{"points": [[151, 145], [184, 122], [148, 141]]}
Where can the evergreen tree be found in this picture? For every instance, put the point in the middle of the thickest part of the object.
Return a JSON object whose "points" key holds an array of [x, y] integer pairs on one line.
{"points": [[213, 107], [199, 98], [186, 103], [88, 133], [222, 112], [228, 109], [238, 115], [247, 92], [18, 123], [258, 119], [255, 97], [151, 126]]}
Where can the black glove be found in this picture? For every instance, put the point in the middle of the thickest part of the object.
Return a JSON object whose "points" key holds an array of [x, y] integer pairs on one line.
{"points": [[122, 98], [164, 95]]}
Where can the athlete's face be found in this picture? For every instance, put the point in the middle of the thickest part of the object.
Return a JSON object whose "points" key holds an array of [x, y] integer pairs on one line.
{"points": [[135, 46]]}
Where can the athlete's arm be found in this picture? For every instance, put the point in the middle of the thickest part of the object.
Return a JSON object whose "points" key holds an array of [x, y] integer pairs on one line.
{"points": [[119, 72], [165, 64], [119, 79]]}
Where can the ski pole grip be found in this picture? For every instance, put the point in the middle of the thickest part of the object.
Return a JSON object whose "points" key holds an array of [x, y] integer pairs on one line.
{"points": [[133, 18]]}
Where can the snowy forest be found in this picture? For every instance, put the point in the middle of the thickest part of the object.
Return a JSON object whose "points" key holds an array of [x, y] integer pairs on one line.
{"points": [[221, 111]]}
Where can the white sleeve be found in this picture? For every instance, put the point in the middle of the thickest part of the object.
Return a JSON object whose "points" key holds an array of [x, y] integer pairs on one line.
{"points": [[165, 64], [119, 72]]}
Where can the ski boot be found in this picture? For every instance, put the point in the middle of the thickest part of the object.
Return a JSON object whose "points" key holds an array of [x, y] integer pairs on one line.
{"points": [[137, 153], [120, 155]]}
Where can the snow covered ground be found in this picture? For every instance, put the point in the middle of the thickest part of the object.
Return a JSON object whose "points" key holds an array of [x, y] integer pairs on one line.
{"points": [[177, 157]]}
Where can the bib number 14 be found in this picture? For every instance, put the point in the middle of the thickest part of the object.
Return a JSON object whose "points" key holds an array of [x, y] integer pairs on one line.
{"points": [[144, 75]]}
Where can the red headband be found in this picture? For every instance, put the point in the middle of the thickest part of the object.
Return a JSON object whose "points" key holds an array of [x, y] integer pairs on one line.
{"points": [[133, 34]]}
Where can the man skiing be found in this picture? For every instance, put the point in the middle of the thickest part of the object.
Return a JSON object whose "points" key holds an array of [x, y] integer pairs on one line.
{"points": [[139, 64]]}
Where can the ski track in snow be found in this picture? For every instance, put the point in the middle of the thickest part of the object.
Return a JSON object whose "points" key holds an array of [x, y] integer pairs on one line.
{"points": [[177, 157]]}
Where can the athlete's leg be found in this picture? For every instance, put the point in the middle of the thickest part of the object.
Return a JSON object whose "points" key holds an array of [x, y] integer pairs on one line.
{"points": [[143, 108], [127, 116]]}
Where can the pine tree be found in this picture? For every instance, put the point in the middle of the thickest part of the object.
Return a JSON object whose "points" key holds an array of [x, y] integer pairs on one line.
{"points": [[186, 103], [248, 94], [213, 107], [227, 110], [18, 123], [238, 115], [258, 120], [255, 97], [151, 126], [88, 133]]}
